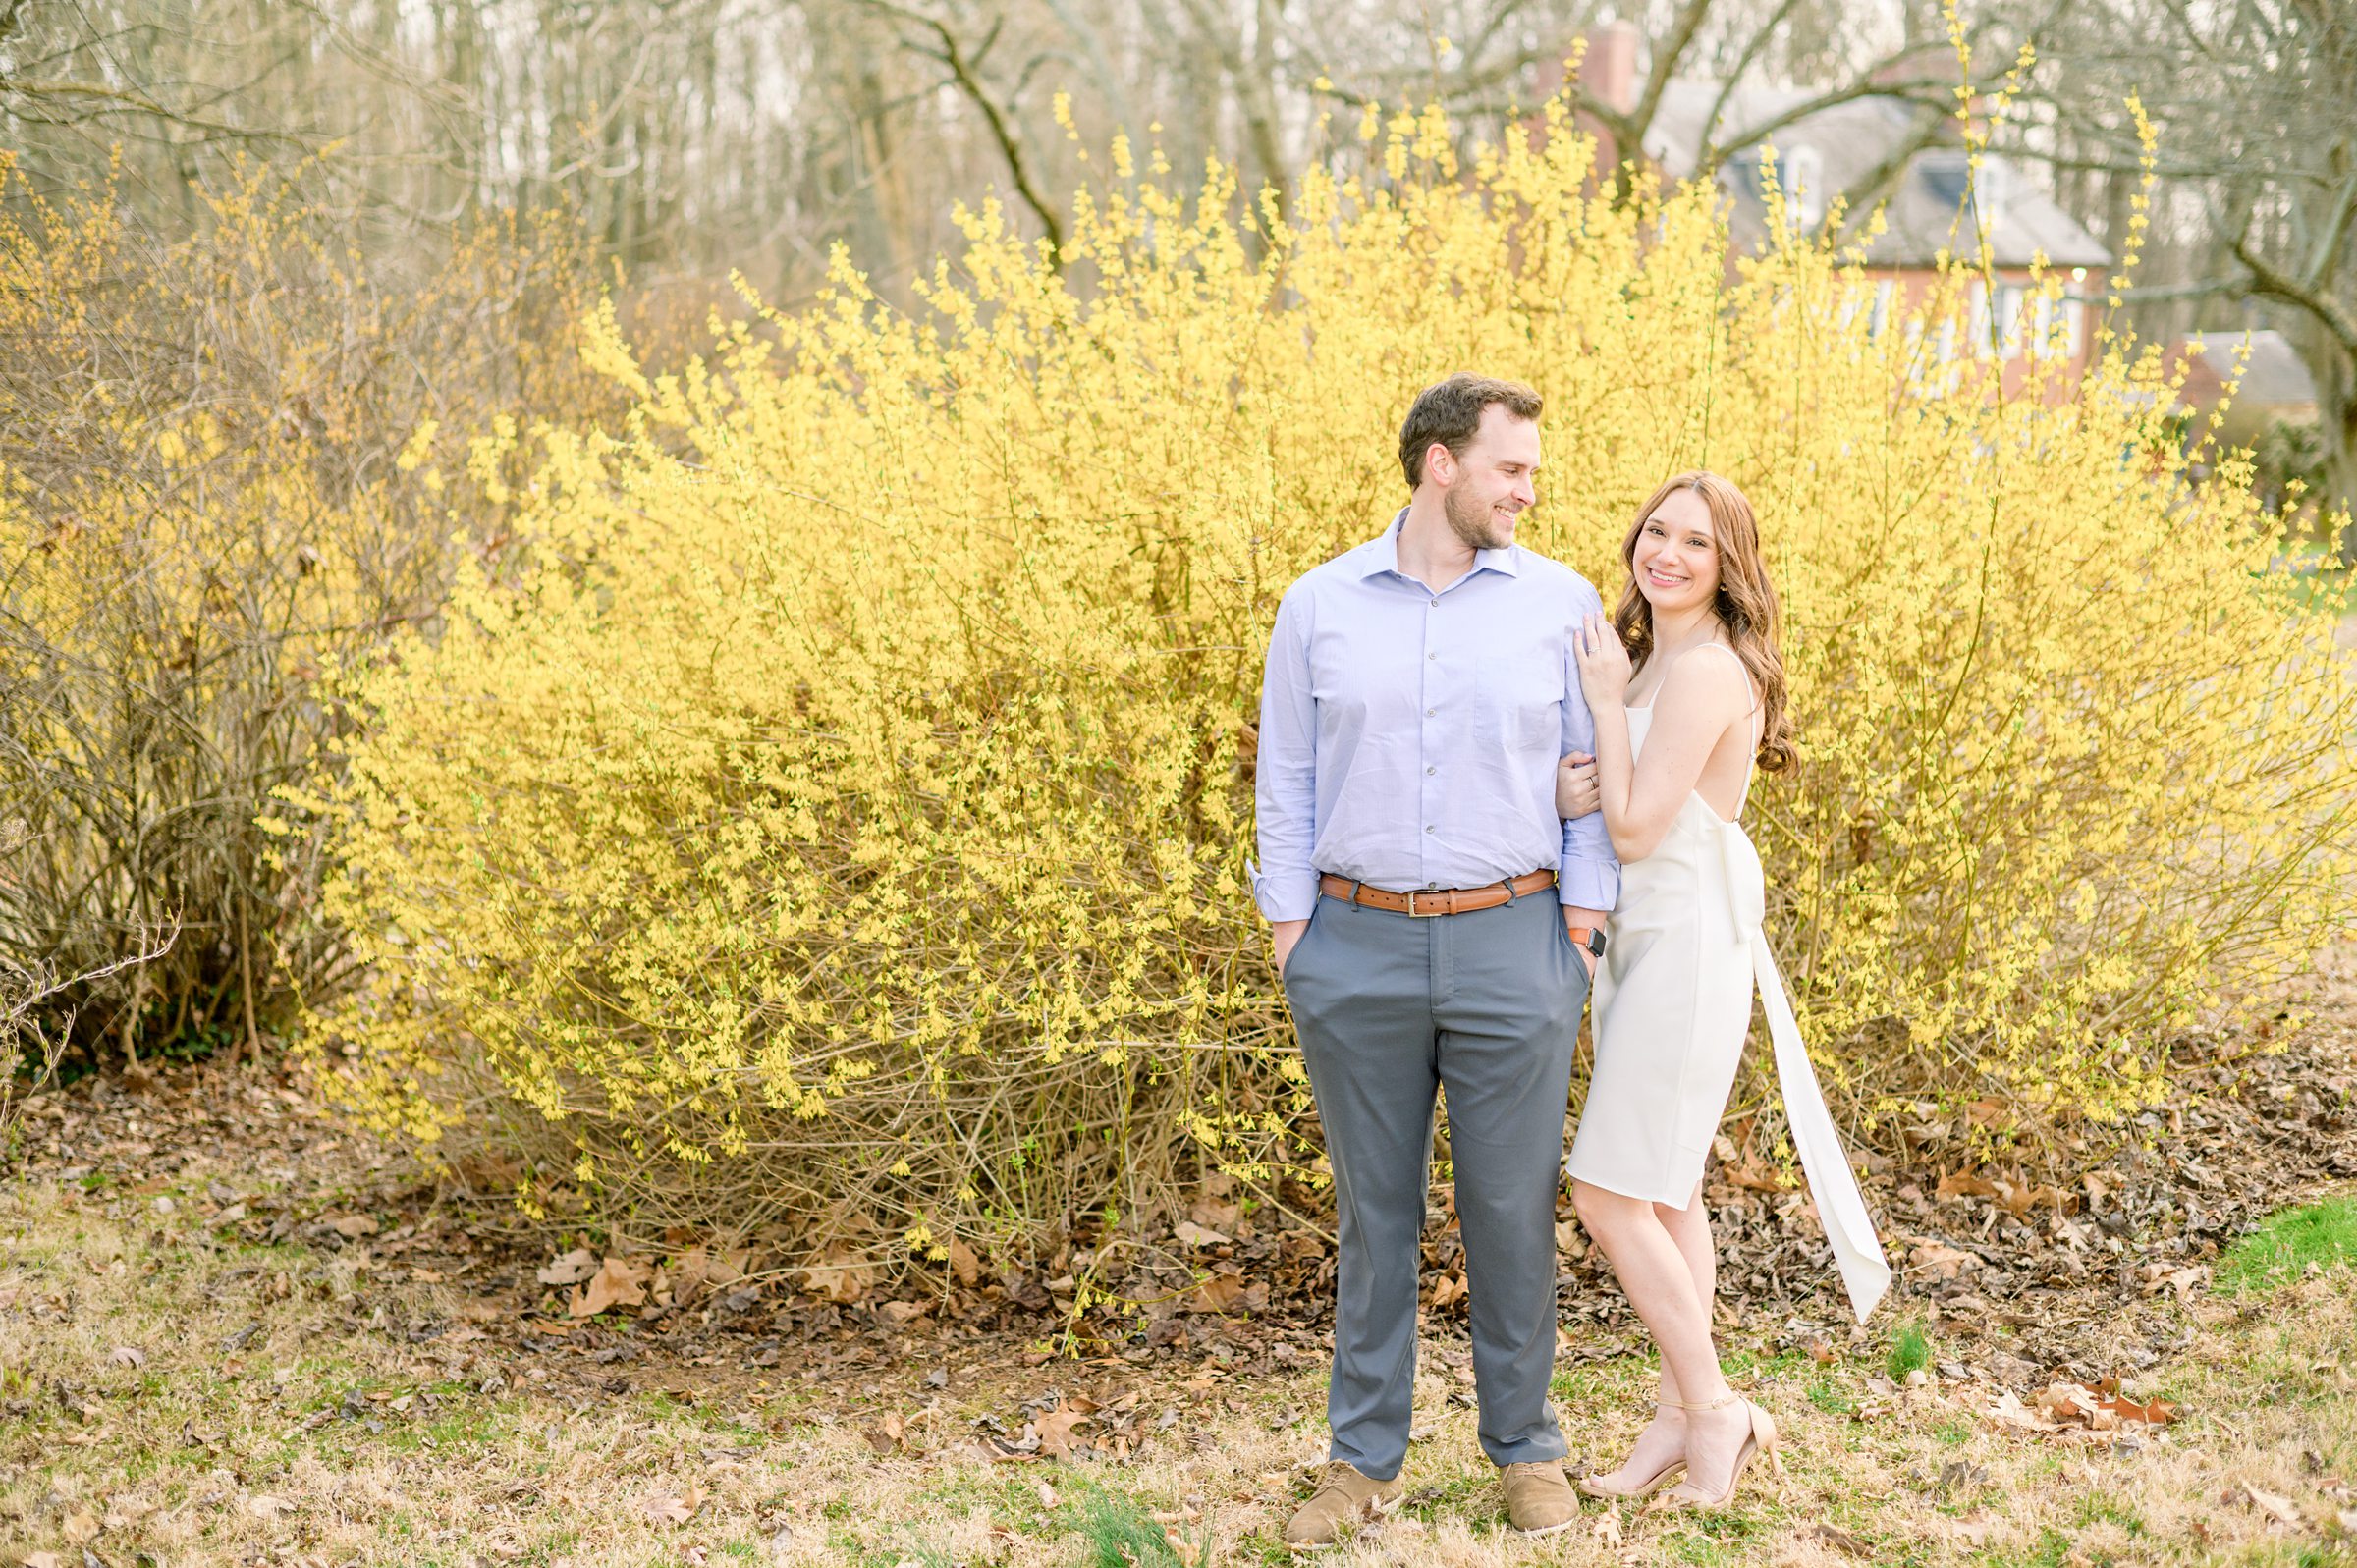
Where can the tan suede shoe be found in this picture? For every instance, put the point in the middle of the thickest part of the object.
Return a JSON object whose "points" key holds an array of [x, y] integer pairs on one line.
{"points": [[1539, 1499], [1343, 1496]]}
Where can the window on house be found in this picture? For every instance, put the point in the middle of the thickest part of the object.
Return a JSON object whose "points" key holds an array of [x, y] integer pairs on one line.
{"points": [[1992, 192], [1880, 321], [2008, 320], [1803, 175], [2041, 326]]}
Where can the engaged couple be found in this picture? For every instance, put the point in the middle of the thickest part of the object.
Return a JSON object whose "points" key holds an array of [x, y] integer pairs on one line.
{"points": [[1480, 798]]}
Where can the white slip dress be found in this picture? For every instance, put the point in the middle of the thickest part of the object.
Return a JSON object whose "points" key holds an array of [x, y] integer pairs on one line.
{"points": [[1683, 950]]}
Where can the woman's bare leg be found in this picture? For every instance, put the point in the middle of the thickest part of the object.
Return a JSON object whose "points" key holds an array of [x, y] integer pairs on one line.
{"points": [[1663, 1439], [1658, 1271]]}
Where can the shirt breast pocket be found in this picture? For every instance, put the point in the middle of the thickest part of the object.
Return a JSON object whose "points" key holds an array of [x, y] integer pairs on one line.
{"points": [[1521, 700]]}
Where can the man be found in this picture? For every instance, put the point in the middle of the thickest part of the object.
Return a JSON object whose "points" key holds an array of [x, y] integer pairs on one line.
{"points": [[1436, 924]]}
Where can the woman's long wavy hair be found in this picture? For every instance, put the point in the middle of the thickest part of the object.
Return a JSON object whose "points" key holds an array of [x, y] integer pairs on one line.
{"points": [[1746, 603]]}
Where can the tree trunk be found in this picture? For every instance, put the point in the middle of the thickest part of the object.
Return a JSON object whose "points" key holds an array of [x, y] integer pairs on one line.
{"points": [[2337, 421]]}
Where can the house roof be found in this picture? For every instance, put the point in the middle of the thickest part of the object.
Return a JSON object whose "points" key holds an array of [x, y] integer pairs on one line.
{"points": [[1847, 143], [2275, 376]]}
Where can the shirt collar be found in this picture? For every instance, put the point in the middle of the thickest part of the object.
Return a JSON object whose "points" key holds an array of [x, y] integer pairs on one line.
{"points": [[1383, 555]]}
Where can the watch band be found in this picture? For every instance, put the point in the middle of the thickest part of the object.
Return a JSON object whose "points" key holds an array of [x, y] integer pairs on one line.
{"points": [[1590, 937]]}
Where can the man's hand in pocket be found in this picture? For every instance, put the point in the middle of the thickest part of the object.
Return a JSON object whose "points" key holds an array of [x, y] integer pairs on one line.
{"points": [[1288, 931]]}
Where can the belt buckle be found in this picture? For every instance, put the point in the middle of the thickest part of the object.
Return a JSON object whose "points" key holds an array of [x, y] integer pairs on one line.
{"points": [[1413, 913]]}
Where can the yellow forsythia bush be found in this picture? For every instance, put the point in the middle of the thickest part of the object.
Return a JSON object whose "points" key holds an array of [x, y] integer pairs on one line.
{"points": [[846, 825]]}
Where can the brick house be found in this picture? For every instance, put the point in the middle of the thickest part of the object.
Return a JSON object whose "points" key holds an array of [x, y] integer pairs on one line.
{"points": [[1930, 207]]}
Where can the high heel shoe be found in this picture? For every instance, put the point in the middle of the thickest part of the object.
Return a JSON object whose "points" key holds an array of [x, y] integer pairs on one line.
{"points": [[1760, 1439], [1596, 1487]]}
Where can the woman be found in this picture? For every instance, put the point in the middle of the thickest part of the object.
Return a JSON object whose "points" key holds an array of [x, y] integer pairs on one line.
{"points": [[1689, 690]]}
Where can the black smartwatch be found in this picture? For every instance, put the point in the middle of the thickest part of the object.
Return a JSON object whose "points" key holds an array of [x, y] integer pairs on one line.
{"points": [[1590, 937]]}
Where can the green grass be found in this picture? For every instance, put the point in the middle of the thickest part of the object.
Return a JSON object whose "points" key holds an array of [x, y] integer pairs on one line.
{"points": [[1438, 1499], [1910, 1351], [2324, 1235], [1120, 1535], [1833, 1395]]}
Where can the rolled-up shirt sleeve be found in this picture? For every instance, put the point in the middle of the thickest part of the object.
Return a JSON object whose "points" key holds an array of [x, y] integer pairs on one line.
{"points": [[1285, 782], [1589, 876]]}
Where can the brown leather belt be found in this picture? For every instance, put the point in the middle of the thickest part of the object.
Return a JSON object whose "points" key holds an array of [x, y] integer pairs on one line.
{"points": [[1425, 903]]}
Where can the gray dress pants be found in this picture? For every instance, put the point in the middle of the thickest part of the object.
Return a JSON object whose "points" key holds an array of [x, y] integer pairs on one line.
{"points": [[1388, 1009]]}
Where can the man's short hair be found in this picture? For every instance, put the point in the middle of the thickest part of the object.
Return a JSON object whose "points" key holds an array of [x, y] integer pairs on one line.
{"points": [[1449, 413]]}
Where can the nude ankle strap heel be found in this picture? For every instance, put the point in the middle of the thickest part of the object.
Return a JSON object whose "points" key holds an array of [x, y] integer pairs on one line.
{"points": [[1758, 1440], [1597, 1486]]}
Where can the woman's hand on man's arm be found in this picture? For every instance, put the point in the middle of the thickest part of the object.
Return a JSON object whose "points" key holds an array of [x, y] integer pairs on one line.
{"points": [[1576, 792]]}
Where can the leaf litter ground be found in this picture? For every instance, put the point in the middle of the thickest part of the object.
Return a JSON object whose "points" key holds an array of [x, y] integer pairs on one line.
{"points": [[229, 1332]]}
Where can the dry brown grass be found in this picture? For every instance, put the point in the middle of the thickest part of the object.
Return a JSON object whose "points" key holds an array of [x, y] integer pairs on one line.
{"points": [[169, 1389]]}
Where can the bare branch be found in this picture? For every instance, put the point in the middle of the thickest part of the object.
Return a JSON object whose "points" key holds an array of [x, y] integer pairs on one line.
{"points": [[963, 69], [2269, 281]]}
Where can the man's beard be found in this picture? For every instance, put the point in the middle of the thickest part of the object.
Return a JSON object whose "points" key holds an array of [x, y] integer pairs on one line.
{"points": [[1471, 521]]}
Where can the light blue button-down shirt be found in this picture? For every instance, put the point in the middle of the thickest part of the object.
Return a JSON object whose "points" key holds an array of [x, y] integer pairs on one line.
{"points": [[1409, 739]]}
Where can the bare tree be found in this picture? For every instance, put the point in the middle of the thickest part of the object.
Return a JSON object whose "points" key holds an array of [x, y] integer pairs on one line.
{"points": [[2255, 106]]}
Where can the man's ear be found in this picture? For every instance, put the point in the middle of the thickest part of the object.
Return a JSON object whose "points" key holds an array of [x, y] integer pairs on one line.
{"points": [[1440, 463]]}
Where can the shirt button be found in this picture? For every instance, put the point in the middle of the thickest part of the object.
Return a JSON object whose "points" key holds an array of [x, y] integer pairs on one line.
{"points": [[1431, 712], [1428, 826], [1432, 770], [1432, 656], [1436, 604]]}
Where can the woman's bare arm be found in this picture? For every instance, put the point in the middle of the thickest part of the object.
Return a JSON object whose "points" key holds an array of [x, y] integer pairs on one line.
{"points": [[1698, 700]]}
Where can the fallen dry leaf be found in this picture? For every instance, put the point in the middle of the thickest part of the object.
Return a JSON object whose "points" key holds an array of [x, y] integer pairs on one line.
{"points": [[1214, 1216], [618, 1282], [1190, 1234], [697, 1272], [1219, 1293], [1834, 1535], [81, 1527], [2007, 1409], [353, 1226], [964, 1267], [887, 1436], [669, 1508], [1185, 1550], [2282, 1510], [1940, 1261], [1047, 1496], [1056, 1430], [45, 1559], [2016, 1197], [127, 1356], [570, 1270], [840, 1275], [2152, 1412], [268, 1508], [2066, 1401], [1608, 1529]]}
